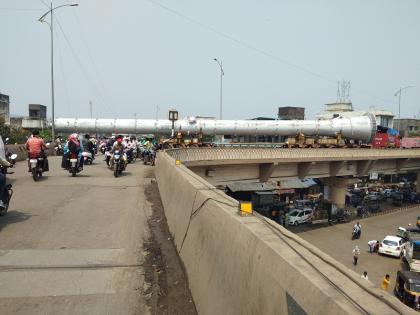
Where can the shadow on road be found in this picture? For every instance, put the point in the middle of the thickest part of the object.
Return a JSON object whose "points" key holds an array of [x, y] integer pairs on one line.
{"points": [[13, 217]]}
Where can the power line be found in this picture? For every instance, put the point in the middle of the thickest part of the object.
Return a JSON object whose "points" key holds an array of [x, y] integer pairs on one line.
{"points": [[92, 60], [18, 9], [85, 72], [258, 50]]}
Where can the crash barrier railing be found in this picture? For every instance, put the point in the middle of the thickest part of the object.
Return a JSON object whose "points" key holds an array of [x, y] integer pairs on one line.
{"points": [[208, 154]]}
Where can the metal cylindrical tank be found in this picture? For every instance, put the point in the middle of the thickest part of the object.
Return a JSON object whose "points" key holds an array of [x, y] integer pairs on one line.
{"points": [[358, 128]]}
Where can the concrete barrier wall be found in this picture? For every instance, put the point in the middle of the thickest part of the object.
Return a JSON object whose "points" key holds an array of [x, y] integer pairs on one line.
{"points": [[20, 150], [246, 265]]}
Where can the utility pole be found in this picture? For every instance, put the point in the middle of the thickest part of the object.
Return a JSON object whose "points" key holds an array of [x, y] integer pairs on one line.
{"points": [[51, 24], [222, 73], [91, 109]]}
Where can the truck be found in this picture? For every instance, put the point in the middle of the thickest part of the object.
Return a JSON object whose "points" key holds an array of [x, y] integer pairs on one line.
{"points": [[411, 252]]}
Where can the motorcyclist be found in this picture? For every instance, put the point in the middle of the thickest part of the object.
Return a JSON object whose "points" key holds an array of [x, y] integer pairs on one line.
{"points": [[108, 148], [88, 145], [75, 147], [35, 147], [119, 146], [357, 228], [4, 163]]}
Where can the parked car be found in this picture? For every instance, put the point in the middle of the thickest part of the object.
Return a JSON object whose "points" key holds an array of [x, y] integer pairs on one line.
{"points": [[392, 245], [414, 197], [387, 192], [397, 198], [303, 204], [374, 196], [296, 216]]}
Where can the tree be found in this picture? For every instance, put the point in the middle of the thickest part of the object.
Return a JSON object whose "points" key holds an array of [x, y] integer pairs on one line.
{"points": [[15, 134]]}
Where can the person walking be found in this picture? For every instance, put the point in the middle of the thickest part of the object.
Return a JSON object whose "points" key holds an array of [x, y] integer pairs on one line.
{"points": [[356, 253], [365, 276], [385, 283]]}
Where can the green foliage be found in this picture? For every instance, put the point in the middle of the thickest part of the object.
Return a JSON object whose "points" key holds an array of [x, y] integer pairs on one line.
{"points": [[46, 134], [15, 134]]}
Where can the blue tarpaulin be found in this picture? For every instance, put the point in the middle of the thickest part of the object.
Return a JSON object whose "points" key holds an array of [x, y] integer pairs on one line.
{"points": [[392, 132]]}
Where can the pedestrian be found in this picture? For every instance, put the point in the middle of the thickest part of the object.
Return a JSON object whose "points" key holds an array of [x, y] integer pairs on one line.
{"points": [[372, 246], [365, 276], [385, 283], [356, 253]]}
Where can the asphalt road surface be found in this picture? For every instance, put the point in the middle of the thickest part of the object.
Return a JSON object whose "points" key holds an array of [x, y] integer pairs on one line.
{"points": [[81, 245], [336, 241]]}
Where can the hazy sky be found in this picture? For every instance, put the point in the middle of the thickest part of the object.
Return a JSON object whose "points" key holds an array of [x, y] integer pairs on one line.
{"points": [[130, 56]]}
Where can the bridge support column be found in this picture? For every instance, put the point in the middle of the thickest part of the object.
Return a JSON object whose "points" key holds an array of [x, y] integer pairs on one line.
{"points": [[337, 188], [418, 182]]}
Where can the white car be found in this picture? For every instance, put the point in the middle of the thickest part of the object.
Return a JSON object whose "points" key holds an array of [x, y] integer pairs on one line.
{"points": [[297, 216], [392, 245]]}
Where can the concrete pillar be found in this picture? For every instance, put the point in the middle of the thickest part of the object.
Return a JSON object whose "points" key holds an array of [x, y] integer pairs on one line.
{"points": [[338, 195], [418, 182], [337, 190]]}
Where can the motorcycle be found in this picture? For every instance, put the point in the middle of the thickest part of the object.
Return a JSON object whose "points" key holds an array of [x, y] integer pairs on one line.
{"points": [[87, 157], [11, 157], [73, 163], [131, 155], [107, 157], [356, 234], [36, 164], [58, 149], [149, 157], [117, 164], [8, 191]]}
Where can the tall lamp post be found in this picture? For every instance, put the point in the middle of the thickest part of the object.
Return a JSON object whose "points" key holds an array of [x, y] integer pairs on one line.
{"points": [[399, 104], [42, 19], [222, 73]]}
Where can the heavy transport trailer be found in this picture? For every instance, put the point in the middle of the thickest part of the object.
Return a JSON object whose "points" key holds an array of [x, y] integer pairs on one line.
{"points": [[339, 132], [359, 128]]}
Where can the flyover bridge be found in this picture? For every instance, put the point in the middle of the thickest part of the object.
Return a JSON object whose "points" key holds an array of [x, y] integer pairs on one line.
{"points": [[338, 168], [251, 265]]}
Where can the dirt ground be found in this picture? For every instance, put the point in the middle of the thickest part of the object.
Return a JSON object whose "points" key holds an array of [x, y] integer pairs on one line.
{"points": [[169, 292]]}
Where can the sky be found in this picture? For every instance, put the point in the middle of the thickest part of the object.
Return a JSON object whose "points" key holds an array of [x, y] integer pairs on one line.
{"points": [[140, 58]]}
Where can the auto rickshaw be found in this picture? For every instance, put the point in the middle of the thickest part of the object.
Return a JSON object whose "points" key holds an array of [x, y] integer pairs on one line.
{"points": [[407, 288]]}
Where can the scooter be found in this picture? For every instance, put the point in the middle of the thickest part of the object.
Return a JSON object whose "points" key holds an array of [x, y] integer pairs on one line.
{"points": [[58, 149], [8, 191], [87, 157], [73, 163]]}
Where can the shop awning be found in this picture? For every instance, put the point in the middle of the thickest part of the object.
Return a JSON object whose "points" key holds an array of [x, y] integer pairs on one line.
{"points": [[296, 183]]}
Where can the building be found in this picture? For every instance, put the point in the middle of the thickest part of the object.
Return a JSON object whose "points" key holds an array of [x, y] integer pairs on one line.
{"points": [[37, 117], [408, 127], [5, 108], [383, 118], [291, 113]]}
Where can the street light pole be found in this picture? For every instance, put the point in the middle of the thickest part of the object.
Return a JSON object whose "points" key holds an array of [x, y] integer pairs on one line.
{"points": [[222, 73], [399, 104], [51, 24]]}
